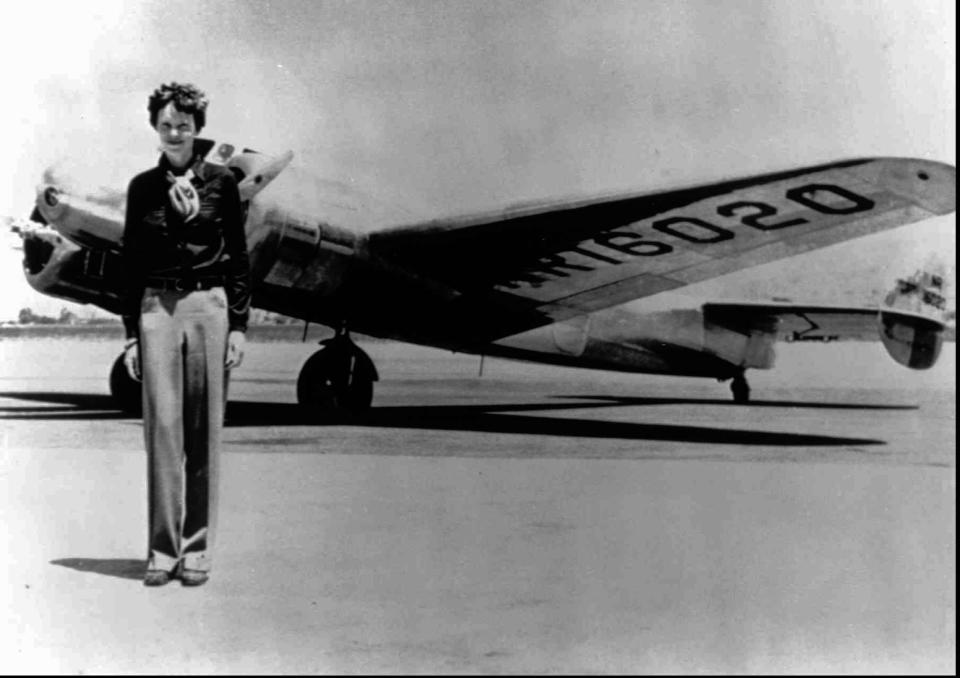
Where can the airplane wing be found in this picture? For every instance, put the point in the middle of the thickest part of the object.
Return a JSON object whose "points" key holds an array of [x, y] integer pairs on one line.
{"points": [[912, 339], [806, 322], [910, 322], [534, 265]]}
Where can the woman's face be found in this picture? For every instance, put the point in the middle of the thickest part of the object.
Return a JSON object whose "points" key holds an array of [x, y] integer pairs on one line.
{"points": [[177, 131]]}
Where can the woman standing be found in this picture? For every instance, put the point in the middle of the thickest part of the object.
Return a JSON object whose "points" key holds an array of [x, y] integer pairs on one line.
{"points": [[187, 302]]}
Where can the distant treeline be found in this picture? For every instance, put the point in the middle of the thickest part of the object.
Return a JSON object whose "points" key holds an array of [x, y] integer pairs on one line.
{"points": [[27, 316], [259, 333], [114, 332]]}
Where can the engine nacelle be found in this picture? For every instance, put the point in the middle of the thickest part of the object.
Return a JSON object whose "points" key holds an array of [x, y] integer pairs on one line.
{"points": [[911, 322], [56, 266], [912, 341], [676, 341]]}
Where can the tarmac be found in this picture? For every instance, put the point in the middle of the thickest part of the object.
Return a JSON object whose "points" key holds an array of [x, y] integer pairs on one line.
{"points": [[529, 520]]}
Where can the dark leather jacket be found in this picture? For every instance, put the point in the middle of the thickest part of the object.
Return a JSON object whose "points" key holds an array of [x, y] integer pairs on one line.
{"points": [[158, 243]]}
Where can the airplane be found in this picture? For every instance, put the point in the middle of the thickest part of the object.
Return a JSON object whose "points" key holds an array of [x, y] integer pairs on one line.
{"points": [[557, 282]]}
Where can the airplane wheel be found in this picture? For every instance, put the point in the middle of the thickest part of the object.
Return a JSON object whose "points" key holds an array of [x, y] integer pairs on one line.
{"points": [[335, 380], [740, 389], [126, 392]]}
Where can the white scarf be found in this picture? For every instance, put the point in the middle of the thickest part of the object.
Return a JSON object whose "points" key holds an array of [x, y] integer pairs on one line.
{"points": [[183, 196]]}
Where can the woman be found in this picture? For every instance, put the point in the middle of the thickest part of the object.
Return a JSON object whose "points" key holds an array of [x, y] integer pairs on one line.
{"points": [[187, 302]]}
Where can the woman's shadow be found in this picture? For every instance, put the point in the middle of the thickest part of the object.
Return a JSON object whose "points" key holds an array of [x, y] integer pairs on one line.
{"points": [[125, 568]]}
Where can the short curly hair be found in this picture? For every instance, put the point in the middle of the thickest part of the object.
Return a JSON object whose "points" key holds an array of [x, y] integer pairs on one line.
{"points": [[186, 98]]}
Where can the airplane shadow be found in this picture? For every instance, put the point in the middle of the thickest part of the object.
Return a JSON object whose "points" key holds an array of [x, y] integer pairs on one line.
{"points": [[124, 568], [633, 401], [509, 418], [72, 406]]}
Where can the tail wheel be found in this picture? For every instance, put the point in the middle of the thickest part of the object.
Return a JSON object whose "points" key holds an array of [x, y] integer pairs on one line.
{"points": [[740, 389], [335, 379], [126, 392]]}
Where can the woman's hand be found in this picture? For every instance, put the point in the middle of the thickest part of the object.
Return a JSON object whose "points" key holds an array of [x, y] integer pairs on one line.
{"points": [[235, 343], [131, 359]]}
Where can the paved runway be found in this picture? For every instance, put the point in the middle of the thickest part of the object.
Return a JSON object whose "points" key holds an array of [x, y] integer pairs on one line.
{"points": [[533, 520]]}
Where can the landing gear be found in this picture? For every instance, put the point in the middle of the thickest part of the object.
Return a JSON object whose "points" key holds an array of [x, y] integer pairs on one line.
{"points": [[740, 389], [126, 392], [337, 378]]}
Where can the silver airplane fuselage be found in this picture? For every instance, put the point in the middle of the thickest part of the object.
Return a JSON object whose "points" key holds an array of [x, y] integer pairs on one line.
{"points": [[309, 255], [559, 283]]}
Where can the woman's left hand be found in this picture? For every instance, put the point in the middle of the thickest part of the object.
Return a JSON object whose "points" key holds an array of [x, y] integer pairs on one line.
{"points": [[235, 343]]}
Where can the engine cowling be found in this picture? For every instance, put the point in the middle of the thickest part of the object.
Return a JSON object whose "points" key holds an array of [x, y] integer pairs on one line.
{"points": [[56, 266], [912, 341], [910, 323]]}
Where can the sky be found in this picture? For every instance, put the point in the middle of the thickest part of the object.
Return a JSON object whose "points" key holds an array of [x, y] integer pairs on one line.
{"points": [[457, 106]]}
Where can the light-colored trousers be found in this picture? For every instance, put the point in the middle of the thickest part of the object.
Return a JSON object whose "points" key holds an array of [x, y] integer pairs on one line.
{"points": [[183, 343]]}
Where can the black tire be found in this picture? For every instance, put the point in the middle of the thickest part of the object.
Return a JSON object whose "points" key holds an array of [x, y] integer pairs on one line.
{"points": [[740, 389], [359, 395], [322, 390], [126, 392], [315, 387]]}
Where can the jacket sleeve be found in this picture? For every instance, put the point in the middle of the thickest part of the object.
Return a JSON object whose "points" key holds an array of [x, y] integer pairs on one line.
{"points": [[237, 271], [131, 269]]}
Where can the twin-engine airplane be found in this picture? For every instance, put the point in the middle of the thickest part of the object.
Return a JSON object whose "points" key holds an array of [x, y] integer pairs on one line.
{"points": [[555, 282]]}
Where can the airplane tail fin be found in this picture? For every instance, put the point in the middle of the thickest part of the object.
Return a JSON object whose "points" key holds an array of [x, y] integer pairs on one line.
{"points": [[912, 318]]}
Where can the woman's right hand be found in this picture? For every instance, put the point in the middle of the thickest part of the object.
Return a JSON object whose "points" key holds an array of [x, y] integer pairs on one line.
{"points": [[131, 360]]}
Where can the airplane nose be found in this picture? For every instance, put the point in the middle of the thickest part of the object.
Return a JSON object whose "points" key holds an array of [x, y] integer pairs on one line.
{"points": [[83, 212]]}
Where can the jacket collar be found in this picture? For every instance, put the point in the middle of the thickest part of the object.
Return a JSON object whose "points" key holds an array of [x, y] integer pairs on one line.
{"points": [[196, 164]]}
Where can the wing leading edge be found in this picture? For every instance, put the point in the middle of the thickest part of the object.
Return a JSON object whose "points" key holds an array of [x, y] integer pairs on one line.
{"points": [[809, 322], [551, 262]]}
